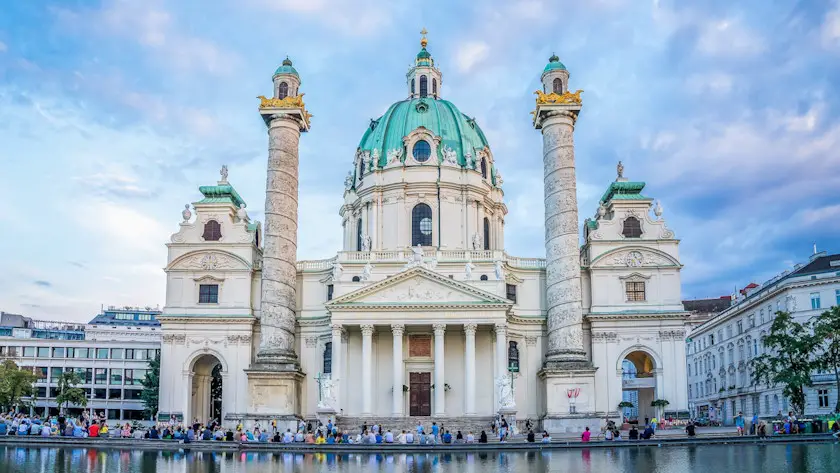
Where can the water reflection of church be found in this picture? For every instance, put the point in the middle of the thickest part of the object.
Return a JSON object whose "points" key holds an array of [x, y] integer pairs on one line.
{"points": [[422, 312]]}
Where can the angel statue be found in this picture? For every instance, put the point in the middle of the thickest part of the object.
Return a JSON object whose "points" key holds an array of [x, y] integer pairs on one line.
{"points": [[468, 269], [327, 398], [499, 269], [336, 271], [366, 271], [620, 170], [224, 172], [476, 241]]}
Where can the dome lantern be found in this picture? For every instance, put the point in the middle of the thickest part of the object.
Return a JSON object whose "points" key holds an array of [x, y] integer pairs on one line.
{"points": [[286, 80], [555, 76], [424, 79]]}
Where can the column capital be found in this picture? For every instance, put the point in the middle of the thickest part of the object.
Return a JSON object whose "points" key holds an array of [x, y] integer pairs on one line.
{"points": [[500, 329], [470, 328], [367, 330], [398, 329], [337, 330], [439, 328]]}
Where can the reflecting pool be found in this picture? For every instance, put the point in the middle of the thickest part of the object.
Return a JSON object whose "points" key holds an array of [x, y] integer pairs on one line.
{"points": [[801, 458]]}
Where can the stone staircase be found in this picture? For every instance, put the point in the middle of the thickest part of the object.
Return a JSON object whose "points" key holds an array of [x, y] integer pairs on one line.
{"points": [[398, 424]]}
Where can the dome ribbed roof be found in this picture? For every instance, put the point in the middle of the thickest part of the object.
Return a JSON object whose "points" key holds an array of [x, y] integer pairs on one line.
{"points": [[440, 117], [286, 68], [554, 64]]}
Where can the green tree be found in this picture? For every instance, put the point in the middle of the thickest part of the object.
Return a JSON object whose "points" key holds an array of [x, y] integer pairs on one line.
{"points": [[15, 384], [788, 359], [151, 387], [69, 392], [827, 337]]}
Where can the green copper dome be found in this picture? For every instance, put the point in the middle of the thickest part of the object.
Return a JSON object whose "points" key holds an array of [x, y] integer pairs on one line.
{"points": [[286, 68], [554, 64], [456, 130]]}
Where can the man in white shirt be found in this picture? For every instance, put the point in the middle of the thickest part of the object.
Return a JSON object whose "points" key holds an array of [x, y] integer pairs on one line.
{"points": [[299, 436], [409, 437], [287, 436], [389, 437]]}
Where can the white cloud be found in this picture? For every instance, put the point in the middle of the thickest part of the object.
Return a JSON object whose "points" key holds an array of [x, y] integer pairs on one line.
{"points": [[350, 17], [729, 38], [719, 83], [155, 28], [470, 54], [3, 47], [830, 31]]}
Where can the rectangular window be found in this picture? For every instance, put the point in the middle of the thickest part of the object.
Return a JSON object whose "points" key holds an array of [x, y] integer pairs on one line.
{"points": [[208, 294], [711, 339], [141, 354], [635, 291], [740, 327], [728, 331], [822, 395], [330, 289], [132, 394], [82, 353], [29, 352], [41, 392], [752, 320], [144, 316], [837, 296], [101, 375], [100, 393], [114, 394], [53, 392], [58, 352], [55, 373], [43, 352], [41, 372], [117, 353], [71, 352], [101, 353], [129, 353], [815, 300], [511, 292], [116, 376], [761, 312]]}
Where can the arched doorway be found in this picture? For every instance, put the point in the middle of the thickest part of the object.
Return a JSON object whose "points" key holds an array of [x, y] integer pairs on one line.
{"points": [[206, 399], [638, 386]]}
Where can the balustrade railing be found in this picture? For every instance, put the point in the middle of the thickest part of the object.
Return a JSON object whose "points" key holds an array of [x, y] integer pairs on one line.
{"points": [[442, 256]]}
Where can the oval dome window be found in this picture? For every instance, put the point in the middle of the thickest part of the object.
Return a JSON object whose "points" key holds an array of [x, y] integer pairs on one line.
{"points": [[422, 151]]}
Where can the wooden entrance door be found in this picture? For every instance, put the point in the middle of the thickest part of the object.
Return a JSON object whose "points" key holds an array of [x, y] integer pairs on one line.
{"points": [[420, 389]]}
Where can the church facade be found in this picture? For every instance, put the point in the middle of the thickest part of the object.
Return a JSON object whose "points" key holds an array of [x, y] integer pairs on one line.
{"points": [[422, 313]]}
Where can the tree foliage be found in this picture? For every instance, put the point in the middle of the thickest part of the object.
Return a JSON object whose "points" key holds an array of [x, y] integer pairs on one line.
{"points": [[827, 342], [787, 360], [151, 388], [15, 384], [69, 392]]}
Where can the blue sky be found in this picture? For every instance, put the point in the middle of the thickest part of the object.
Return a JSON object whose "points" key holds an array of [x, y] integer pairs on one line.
{"points": [[112, 112]]}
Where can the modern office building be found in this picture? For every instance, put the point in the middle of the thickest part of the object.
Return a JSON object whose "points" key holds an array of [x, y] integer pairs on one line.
{"points": [[111, 353], [719, 350]]}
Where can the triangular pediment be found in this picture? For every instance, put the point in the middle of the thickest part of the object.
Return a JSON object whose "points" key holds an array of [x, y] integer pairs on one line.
{"points": [[419, 286]]}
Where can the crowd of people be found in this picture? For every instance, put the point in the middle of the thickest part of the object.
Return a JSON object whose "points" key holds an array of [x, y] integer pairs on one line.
{"points": [[61, 426]]}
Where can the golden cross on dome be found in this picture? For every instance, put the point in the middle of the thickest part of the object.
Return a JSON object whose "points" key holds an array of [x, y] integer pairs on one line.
{"points": [[423, 40]]}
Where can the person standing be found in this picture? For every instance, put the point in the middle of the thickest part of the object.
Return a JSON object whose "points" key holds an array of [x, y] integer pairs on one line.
{"points": [[435, 432], [754, 425], [739, 423]]}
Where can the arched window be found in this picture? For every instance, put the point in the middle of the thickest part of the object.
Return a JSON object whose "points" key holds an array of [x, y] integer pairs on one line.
{"points": [[283, 90], [632, 228], [513, 357], [421, 225], [434, 87], [483, 277], [359, 235], [557, 87], [483, 168], [424, 86], [356, 279], [422, 151], [212, 231], [328, 358], [412, 86], [486, 233]]}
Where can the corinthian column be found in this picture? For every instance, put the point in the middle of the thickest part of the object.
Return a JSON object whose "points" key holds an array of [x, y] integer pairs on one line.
{"points": [[277, 336], [563, 289]]}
